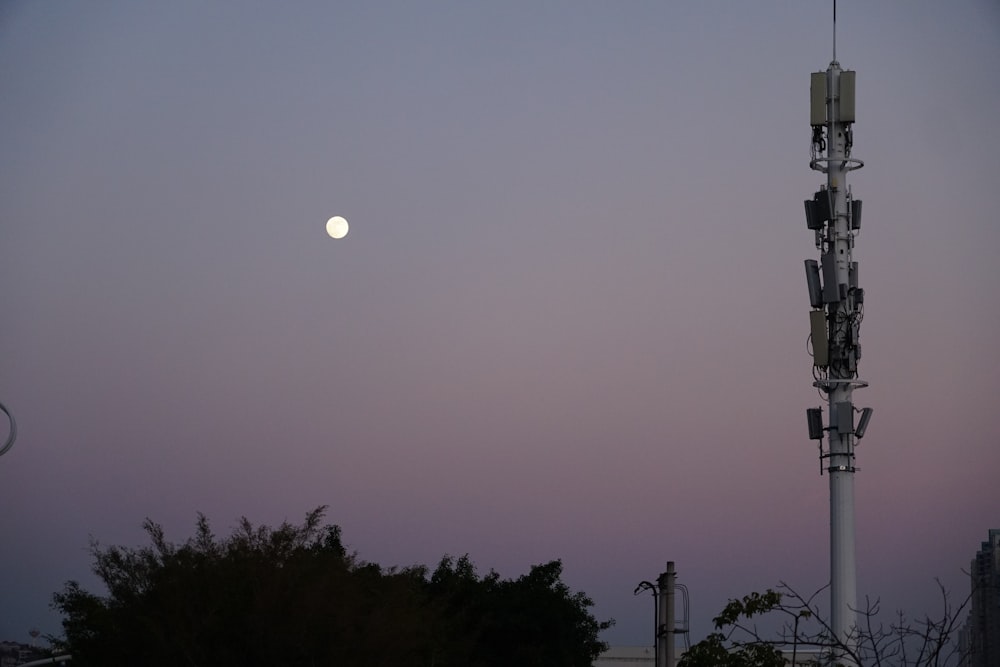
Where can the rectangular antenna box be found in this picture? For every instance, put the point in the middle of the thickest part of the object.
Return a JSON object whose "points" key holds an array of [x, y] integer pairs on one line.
{"points": [[817, 99], [831, 288], [814, 417], [813, 283], [847, 96], [820, 343], [842, 417]]}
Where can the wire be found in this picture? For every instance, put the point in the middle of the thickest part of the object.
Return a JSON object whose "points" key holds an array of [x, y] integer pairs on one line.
{"points": [[687, 617], [818, 142]]}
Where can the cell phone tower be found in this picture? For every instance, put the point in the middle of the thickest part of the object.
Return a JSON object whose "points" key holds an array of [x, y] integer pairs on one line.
{"points": [[834, 215]]}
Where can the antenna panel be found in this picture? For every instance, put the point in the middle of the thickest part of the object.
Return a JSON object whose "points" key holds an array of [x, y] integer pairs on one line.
{"points": [[866, 415], [821, 345], [812, 281], [831, 289], [814, 417], [817, 99], [846, 96], [812, 217], [822, 199], [842, 417]]}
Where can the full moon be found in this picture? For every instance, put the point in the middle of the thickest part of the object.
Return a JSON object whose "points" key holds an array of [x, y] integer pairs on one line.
{"points": [[337, 227]]}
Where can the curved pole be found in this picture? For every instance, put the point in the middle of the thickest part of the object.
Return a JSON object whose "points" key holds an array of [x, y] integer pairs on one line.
{"points": [[648, 586], [13, 430]]}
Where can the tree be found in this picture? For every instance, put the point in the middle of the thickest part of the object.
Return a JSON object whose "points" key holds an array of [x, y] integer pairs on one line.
{"points": [[532, 620], [295, 596], [902, 642]]}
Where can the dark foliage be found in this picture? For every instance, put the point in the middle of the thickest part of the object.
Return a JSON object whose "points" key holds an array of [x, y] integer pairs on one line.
{"points": [[294, 596]]}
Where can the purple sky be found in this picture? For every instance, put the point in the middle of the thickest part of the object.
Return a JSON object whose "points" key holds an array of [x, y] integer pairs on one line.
{"points": [[569, 320]]}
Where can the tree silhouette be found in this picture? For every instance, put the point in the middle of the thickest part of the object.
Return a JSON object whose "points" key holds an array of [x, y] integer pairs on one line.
{"points": [[294, 595]]}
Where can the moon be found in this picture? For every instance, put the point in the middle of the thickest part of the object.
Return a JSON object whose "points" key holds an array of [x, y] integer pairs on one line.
{"points": [[337, 227]]}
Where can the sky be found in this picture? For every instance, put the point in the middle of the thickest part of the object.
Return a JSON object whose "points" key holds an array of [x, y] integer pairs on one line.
{"points": [[570, 317]]}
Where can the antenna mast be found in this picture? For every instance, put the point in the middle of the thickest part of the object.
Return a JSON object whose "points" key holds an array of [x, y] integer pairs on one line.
{"points": [[838, 308]]}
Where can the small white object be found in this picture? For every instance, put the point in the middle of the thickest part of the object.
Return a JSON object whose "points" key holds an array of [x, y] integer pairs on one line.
{"points": [[337, 227]]}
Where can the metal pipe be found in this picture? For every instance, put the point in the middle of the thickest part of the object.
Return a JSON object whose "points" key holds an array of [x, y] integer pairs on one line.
{"points": [[665, 637], [843, 569]]}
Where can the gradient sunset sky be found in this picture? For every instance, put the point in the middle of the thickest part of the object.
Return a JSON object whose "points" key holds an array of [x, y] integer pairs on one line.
{"points": [[569, 320]]}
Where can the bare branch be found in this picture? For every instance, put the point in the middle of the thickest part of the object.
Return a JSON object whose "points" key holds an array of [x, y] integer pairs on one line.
{"points": [[930, 642]]}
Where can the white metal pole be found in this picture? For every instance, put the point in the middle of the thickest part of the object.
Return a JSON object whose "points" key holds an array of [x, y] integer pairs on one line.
{"points": [[835, 217], [843, 572], [666, 648]]}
